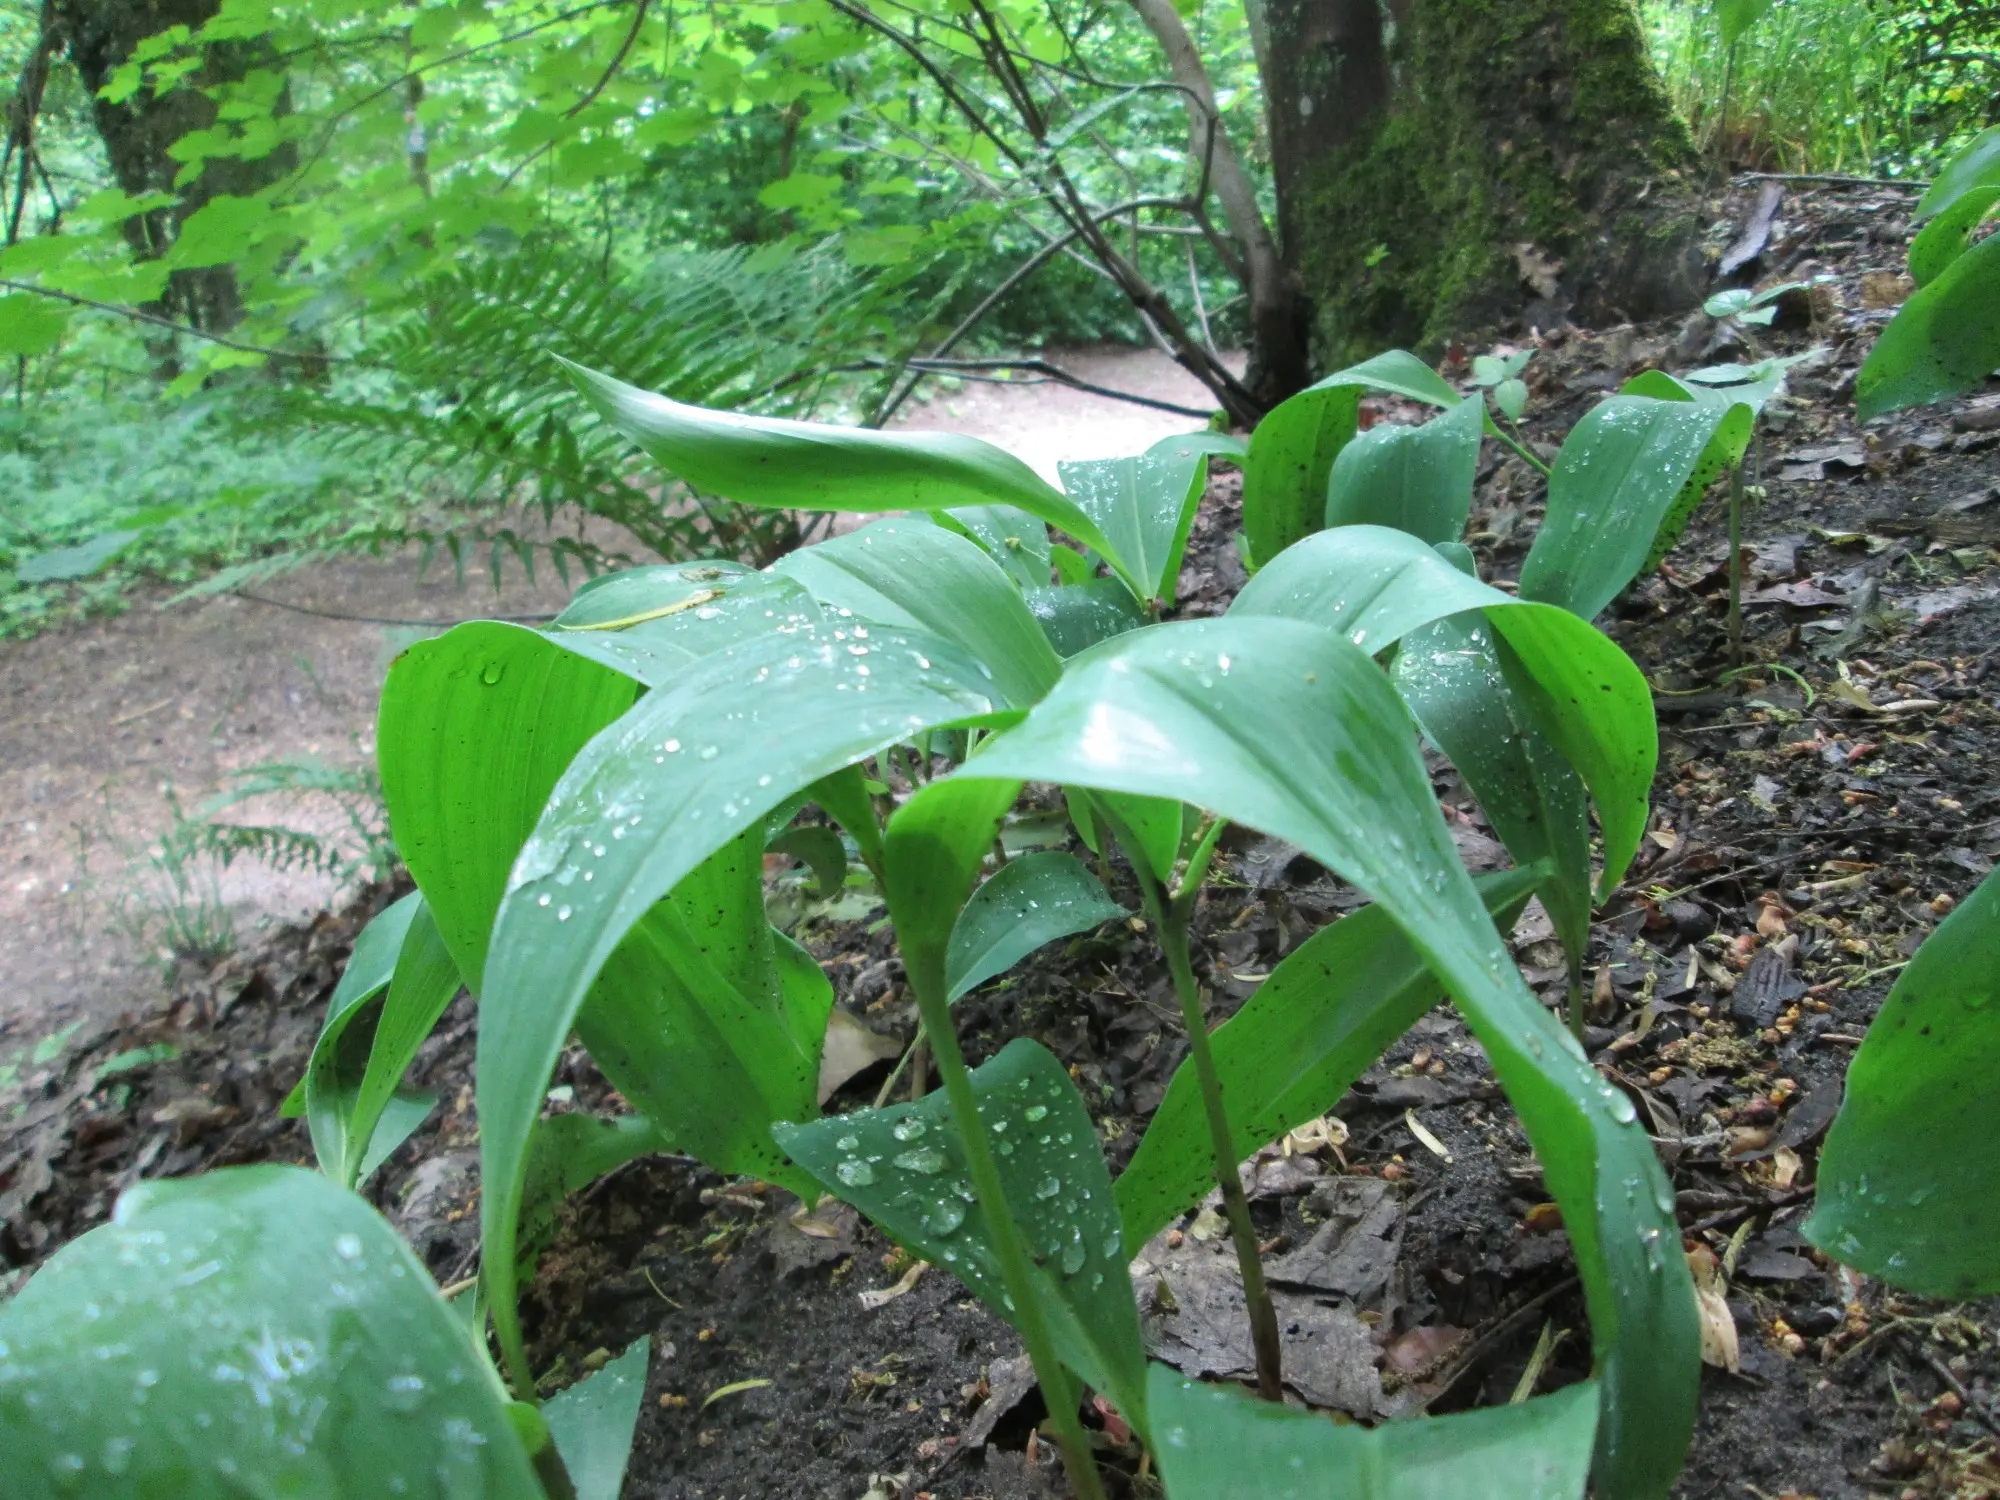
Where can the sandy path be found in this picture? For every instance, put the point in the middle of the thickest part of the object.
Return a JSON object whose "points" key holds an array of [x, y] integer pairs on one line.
{"points": [[98, 724]]}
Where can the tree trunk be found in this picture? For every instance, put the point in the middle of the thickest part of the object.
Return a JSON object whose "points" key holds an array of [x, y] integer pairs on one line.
{"points": [[100, 36], [1446, 168]]}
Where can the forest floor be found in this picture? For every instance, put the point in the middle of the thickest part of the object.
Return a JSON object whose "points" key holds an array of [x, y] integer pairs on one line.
{"points": [[1814, 817]]}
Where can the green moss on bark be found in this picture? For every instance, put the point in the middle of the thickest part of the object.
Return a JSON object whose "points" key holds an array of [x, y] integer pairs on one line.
{"points": [[1511, 131]]}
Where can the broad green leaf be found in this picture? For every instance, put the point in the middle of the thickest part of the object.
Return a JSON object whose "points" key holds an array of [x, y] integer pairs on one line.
{"points": [[1415, 479], [1012, 538], [908, 572], [902, 1167], [65, 564], [649, 623], [1216, 1442], [1223, 445], [691, 767], [370, 965], [1284, 475], [1944, 340], [1077, 616], [1289, 729], [1322, 1018], [1909, 1178], [1400, 373], [474, 729], [593, 1422], [613, 601], [1619, 476], [1977, 166], [250, 1331], [423, 985], [1145, 506], [1949, 235], [30, 324], [819, 848], [405, 1111], [1735, 17], [1036, 899], [1585, 695], [935, 847], [1452, 676], [775, 462]]}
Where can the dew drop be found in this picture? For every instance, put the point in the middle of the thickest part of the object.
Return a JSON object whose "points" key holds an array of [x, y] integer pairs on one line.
{"points": [[490, 674], [709, 752], [348, 1246], [671, 747], [562, 913], [907, 1130], [946, 1217], [925, 1159], [849, 1143], [1035, 1112], [1048, 1187], [855, 1173]]}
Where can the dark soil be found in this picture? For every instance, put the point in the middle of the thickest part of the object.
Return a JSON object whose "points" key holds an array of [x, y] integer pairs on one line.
{"points": [[1816, 814]]}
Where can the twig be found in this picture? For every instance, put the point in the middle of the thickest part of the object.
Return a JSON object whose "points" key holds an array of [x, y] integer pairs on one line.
{"points": [[168, 323], [1040, 367], [1484, 1344], [1974, 1408], [1913, 184], [590, 94]]}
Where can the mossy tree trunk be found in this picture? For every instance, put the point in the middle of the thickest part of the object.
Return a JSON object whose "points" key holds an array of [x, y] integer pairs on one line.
{"points": [[1450, 167]]}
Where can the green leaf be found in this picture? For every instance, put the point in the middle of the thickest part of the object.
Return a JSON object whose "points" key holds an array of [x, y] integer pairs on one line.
{"points": [[401, 1115], [693, 766], [772, 461], [1321, 1018], [1944, 340], [255, 1330], [474, 729], [218, 232], [1977, 166], [1289, 729], [1223, 445], [1034, 900], [820, 848], [30, 324], [1012, 538], [1616, 481], [650, 623], [593, 1422], [630, 596], [1415, 479], [903, 1167], [1909, 1178], [1735, 17], [1584, 694], [1145, 506], [1949, 235], [1293, 449], [1077, 616], [908, 572], [1219, 1443], [1452, 676], [65, 564], [370, 966]]}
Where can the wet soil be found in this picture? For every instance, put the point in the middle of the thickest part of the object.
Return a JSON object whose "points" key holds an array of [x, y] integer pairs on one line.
{"points": [[1819, 807]]}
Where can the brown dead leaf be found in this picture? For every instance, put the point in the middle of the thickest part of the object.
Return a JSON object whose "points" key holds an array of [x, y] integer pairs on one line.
{"points": [[1422, 1349], [873, 1300], [851, 1048], [1718, 1325]]}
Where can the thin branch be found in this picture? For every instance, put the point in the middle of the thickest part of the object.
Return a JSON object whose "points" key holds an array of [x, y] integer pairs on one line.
{"points": [[604, 79], [171, 326], [970, 369]]}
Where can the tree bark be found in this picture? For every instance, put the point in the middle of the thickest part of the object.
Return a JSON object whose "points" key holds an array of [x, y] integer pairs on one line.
{"points": [[1446, 168], [137, 132], [1278, 332]]}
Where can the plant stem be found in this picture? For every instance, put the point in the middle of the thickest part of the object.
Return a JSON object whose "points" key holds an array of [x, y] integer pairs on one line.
{"points": [[1521, 451], [1172, 919], [927, 985], [1736, 565]]}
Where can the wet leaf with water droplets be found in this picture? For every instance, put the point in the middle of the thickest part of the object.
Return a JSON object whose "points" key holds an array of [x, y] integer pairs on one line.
{"points": [[1909, 1178], [1032, 901], [1057, 1188], [593, 1421], [256, 1330]]}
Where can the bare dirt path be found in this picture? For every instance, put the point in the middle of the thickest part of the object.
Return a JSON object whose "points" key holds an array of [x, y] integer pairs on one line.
{"points": [[101, 725]]}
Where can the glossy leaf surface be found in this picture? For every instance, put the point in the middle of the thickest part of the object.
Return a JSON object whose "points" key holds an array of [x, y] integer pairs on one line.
{"points": [[1217, 1443], [1978, 165], [1077, 616], [1949, 235], [1144, 506], [902, 1167], [1290, 729], [773, 461], [1034, 900], [1946, 338], [912, 573], [691, 768], [251, 1331], [1415, 479], [1322, 1018], [1619, 475], [1011, 537], [593, 1421], [1452, 677], [1909, 1178], [1583, 693]]}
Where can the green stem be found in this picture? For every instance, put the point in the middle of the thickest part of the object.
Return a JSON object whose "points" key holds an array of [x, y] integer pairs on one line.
{"points": [[927, 985], [1172, 919], [1521, 450], [1736, 564]]}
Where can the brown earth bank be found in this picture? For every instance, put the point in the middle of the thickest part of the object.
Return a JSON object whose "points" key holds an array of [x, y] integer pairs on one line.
{"points": [[1816, 813]]}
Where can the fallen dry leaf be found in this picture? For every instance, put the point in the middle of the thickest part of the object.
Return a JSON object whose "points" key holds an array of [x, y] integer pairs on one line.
{"points": [[1718, 1326], [851, 1048], [873, 1300]]}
